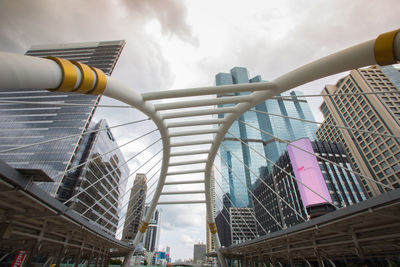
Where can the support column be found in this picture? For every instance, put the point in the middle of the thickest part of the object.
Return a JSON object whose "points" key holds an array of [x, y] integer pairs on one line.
{"points": [[63, 249], [97, 255], [90, 257], [260, 260], [60, 256], [77, 259], [273, 261], [319, 259], [36, 246], [291, 261], [106, 260], [48, 261]]}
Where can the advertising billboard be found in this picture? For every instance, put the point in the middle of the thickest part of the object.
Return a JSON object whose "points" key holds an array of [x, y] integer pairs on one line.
{"points": [[19, 258], [306, 170]]}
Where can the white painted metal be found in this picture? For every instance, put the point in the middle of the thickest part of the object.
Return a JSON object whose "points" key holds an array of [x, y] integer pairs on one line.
{"points": [[187, 162], [182, 202], [193, 152], [203, 102], [18, 71], [191, 143], [195, 123], [183, 192], [212, 90], [125, 94], [185, 182], [185, 172], [191, 133], [198, 112]]}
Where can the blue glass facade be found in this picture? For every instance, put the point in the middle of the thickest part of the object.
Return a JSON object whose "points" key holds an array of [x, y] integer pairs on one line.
{"points": [[233, 152]]}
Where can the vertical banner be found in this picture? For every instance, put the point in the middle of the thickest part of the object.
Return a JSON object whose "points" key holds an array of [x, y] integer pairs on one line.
{"points": [[306, 170], [19, 258]]}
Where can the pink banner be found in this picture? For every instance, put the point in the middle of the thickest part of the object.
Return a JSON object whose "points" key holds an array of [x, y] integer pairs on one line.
{"points": [[306, 170]]}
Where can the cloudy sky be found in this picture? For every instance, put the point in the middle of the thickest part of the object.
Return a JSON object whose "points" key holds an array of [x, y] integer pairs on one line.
{"points": [[180, 44]]}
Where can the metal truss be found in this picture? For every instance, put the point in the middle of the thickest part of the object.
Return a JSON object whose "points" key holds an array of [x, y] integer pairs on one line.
{"points": [[61, 75]]}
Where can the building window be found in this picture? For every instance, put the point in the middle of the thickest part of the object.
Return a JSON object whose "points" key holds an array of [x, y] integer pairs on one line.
{"points": [[388, 171]]}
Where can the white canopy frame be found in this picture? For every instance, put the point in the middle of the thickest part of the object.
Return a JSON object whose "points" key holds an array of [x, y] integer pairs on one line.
{"points": [[17, 71]]}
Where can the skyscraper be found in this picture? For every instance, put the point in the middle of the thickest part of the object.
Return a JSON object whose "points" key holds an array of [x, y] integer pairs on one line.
{"points": [[107, 171], [235, 224], [343, 188], [234, 151], [135, 209], [374, 156], [199, 251], [152, 234], [210, 241], [37, 121]]}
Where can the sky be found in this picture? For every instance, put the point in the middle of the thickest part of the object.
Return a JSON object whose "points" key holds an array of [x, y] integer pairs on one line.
{"points": [[173, 44]]}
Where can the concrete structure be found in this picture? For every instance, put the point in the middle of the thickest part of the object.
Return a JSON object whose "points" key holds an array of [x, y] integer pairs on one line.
{"points": [[199, 251], [152, 235], [374, 156], [99, 203], [135, 211], [343, 186], [264, 144]]}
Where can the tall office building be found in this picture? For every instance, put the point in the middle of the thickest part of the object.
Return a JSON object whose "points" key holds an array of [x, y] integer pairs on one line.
{"points": [[24, 123], [210, 241], [152, 234], [199, 251], [235, 224], [135, 211], [374, 156], [342, 187], [233, 152], [106, 171]]}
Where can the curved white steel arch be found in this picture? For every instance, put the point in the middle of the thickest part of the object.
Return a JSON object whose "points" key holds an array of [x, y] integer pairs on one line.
{"points": [[18, 71]]}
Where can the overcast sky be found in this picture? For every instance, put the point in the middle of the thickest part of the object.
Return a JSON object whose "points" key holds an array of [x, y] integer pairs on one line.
{"points": [[180, 44]]}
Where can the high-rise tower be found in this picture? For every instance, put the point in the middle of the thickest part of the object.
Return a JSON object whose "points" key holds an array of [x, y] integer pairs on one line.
{"points": [[374, 156], [27, 117], [104, 176], [233, 151], [152, 234], [296, 200], [210, 241], [135, 209]]}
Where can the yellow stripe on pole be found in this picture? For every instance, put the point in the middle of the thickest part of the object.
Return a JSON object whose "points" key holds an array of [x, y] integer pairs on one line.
{"points": [[101, 82], [87, 78], [213, 227], [69, 75], [384, 48], [143, 226]]}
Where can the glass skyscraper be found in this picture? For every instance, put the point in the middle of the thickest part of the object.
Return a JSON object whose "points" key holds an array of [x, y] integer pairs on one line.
{"points": [[106, 172], [234, 153], [26, 123]]}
